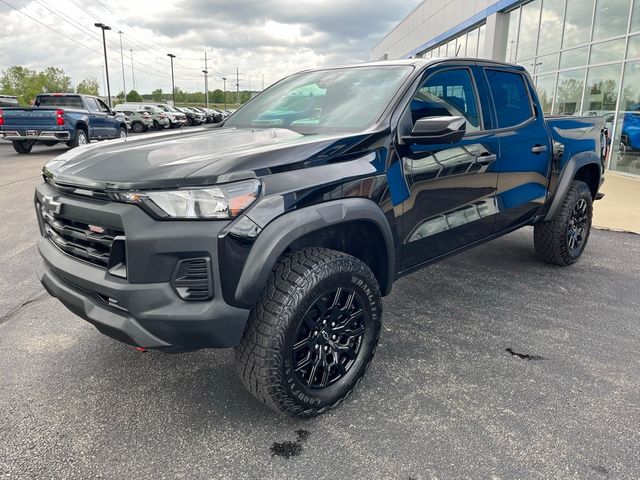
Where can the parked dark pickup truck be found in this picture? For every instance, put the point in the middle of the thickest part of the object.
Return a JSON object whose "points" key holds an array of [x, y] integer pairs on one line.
{"points": [[279, 232], [60, 117]]}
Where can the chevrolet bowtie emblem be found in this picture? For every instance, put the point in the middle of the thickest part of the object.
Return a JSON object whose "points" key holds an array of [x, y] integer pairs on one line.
{"points": [[51, 205]]}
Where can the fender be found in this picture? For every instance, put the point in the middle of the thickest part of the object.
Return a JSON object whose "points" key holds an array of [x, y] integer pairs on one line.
{"points": [[274, 239], [575, 163]]}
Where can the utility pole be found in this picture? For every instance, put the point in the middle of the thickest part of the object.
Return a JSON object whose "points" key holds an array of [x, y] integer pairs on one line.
{"points": [[124, 82], [133, 73], [173, 85], [206, 80], [206, 88], [224, 91], [106, 65], [238, 87], [262, 81]]}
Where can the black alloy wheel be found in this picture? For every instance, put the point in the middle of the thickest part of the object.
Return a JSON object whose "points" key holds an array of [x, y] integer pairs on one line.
{"points": [[329, 338], [577, 226]]}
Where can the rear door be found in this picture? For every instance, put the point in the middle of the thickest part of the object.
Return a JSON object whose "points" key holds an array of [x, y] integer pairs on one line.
{"points": [[96, 118], [525, 146], [452, 187]]}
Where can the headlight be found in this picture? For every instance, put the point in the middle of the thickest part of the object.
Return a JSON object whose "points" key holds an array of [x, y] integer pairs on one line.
{"points": [[223, 201]]}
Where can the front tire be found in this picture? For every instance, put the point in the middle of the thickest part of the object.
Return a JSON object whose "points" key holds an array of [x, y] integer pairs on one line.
{"points": [[122, 133], [313, 332], [138, 127], [22, 147], [562, 240]]}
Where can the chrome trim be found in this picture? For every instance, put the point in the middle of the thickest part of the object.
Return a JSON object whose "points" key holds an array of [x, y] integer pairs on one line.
{"points": [[60, 136]]}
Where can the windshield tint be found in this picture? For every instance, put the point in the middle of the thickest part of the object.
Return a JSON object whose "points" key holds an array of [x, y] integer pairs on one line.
{"points": [[59, 101], [348, 99]]}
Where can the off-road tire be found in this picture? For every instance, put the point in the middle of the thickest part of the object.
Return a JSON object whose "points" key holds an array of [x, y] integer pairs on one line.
{"points": [[264, 356], [551, 238], [22, 147]]}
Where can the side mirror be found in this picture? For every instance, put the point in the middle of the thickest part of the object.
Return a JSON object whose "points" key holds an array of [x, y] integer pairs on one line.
{"points": [[432, 130]]}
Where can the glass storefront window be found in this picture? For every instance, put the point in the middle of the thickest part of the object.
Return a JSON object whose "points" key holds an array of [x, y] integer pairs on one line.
{"points": [[601, 93], [577, 23], [451, 48], [633, 50], [481, 32], [551, 23], [512, 36], [574, 58], [635, 16], [610, 51], [545, 85], [461, 45], [611, 18], [548, 63], [472, 43], [529, 23], [569, 92], [625, 155]]}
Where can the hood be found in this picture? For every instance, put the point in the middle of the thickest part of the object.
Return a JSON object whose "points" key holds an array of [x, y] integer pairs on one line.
{"points": [[203, 157]]}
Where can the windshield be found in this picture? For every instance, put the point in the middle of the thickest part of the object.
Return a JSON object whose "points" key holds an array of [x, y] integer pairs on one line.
{"points": [[347, 99], [8, 102]]}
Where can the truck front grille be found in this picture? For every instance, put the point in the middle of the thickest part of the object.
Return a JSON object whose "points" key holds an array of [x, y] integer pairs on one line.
{"points": [[91, 243]]}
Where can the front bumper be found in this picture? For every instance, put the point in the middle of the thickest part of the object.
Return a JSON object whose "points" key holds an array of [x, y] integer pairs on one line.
{"points": [[144, 308]]}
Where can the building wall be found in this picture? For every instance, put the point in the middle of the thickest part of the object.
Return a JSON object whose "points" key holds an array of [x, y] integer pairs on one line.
{"points": [[584, 55]]}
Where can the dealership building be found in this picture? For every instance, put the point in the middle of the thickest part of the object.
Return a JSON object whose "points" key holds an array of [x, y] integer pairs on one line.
{"points": [[583, 55]]}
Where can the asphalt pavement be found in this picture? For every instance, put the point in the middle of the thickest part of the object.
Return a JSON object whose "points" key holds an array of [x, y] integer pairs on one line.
{"points": [[491, 364]]}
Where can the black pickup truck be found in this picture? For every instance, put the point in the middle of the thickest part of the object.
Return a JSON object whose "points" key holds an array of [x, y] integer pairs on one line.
{"points": [[60, 117], [279, 232]]}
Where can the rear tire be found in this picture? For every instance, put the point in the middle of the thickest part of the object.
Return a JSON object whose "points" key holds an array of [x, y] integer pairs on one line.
{"points": [[80, 140], [22, 147], [313, 332], [562, 239]]}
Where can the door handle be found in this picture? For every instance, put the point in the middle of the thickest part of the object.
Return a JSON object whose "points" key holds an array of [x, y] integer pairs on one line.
{"points": [[539, 149], [486, 159]]}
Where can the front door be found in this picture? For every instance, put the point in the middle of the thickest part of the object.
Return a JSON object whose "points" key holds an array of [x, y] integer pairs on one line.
{"points": [[452, 187]]}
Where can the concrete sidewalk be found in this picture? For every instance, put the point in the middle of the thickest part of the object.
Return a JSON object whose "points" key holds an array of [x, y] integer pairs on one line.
{"points": [[620, 208]]}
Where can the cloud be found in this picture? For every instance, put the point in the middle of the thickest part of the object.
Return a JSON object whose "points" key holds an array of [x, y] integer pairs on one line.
{"points": [[267, 38]]}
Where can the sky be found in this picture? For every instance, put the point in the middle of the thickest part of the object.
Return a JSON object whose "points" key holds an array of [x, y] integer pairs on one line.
{"points": [[261, 38]]}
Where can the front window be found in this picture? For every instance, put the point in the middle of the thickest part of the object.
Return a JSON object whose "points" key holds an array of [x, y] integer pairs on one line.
{"points": [[349, 99]]}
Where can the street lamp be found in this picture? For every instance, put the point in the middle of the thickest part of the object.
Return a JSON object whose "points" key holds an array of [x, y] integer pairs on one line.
{"points": [[206, 88], [173, 86], [106, 66], [224, 92]]}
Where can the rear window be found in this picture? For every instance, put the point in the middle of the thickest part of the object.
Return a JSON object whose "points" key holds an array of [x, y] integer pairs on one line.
{"points": [[510, 97], [8, 102], [70, 101]]}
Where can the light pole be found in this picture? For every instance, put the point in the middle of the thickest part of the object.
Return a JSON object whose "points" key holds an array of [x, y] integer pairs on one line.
{"points": [[173, 86], [124, 83], [106, 65], [224, 91]]}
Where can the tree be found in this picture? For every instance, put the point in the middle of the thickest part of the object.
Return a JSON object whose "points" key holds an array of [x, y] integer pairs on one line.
{"points": [[53, 79], [21, 82], [157, 95], [121, 96], [133, 96], [88, 86]]}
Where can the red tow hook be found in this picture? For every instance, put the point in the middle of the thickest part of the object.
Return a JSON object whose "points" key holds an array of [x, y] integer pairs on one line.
{"points": [[141, 349]]}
